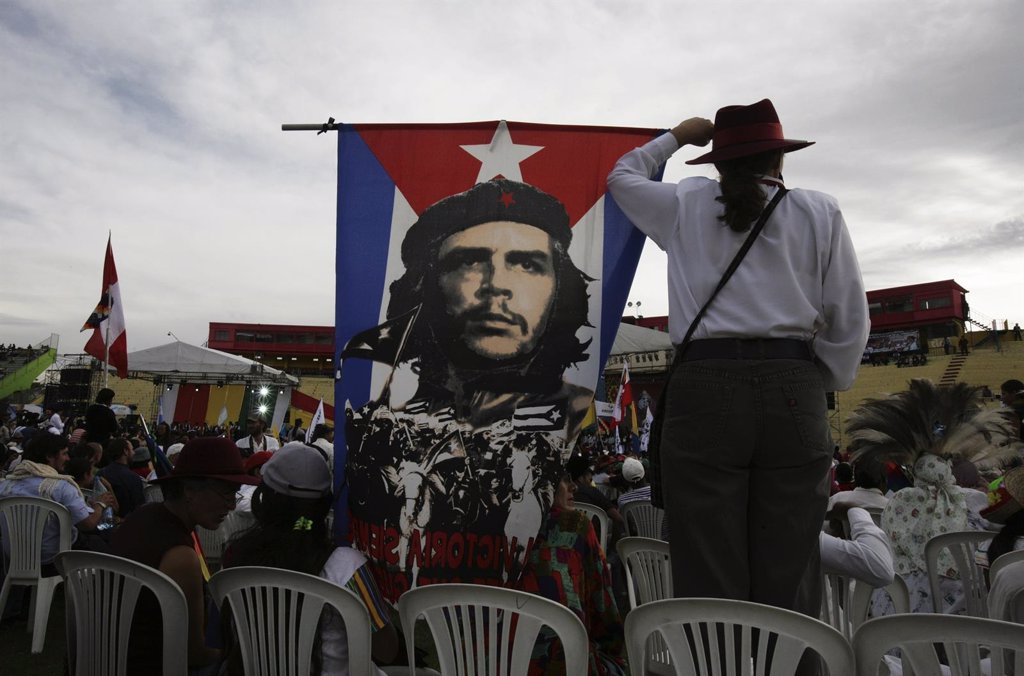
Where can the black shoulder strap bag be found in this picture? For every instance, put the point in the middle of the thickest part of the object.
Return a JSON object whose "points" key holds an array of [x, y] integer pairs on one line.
{"points": [[654, 443]]}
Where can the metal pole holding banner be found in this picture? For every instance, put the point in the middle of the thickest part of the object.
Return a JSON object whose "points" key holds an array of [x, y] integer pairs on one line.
{"points": [[106, 349], [321, 128]]}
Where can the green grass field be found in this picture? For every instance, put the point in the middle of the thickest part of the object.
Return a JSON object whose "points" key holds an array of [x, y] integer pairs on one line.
{"points": [[16, 656]]}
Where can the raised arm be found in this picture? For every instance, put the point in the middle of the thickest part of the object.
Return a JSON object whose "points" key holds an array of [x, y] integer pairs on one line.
{"points": [[649, 204]]}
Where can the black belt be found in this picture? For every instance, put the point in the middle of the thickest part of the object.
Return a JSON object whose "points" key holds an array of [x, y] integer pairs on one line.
{"points": [[748, 348]]}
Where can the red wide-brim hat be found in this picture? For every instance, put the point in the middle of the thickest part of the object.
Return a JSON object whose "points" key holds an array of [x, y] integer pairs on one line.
{"points": [[210, 458], [747, 130]]}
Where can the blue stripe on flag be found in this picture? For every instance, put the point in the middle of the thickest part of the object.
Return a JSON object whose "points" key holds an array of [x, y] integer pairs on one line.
{"points": [[366, 196]]}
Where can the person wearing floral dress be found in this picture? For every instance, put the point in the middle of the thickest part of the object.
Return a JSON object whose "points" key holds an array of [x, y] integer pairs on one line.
{"points": [[568, 566], [932, 506]]}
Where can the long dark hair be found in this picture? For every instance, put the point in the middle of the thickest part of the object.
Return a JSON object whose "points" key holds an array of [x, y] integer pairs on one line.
{"points": [[275, 541], [741, 193], [1006, 538]]}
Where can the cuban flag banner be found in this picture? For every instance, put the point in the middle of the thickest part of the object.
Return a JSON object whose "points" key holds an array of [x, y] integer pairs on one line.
{"points": [[482, 271]]}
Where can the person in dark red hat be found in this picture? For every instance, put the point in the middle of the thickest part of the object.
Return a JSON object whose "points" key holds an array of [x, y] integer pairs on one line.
{"points": [[199, 491], [745, 452]]}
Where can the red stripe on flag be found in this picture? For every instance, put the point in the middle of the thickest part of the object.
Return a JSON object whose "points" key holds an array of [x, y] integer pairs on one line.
{"points": [[304, 402]]}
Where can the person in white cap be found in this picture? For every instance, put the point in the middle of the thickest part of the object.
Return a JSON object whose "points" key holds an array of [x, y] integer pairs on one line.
{"points": [[634, 474], [291, 506]]}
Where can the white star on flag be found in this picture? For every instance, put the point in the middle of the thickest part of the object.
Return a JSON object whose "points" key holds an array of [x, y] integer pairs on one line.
{"points": [[501, 157]]}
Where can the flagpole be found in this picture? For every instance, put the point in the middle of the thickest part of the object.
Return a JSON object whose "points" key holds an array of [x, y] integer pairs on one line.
{"points": [[106, 350]]}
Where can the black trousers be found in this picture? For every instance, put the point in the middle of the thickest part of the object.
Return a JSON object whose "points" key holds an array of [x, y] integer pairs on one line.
{"points": [[745, 461]]}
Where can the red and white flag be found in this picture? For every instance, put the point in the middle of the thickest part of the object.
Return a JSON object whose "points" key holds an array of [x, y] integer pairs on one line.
{"points": [[109, 342], [624, 399]]}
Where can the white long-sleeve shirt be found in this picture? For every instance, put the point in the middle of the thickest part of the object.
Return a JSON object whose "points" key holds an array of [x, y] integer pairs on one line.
{"points": [[800, 279], [865, 556]]}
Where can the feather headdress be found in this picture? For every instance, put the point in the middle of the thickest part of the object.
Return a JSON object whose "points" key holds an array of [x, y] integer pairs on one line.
{"points": [[948, 421]]}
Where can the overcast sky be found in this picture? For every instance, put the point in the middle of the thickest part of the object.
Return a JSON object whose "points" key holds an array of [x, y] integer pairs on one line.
{"points": [[160, 122]]}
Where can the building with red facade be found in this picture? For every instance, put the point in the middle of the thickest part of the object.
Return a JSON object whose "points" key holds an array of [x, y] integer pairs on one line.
{"points": [[299, 350], [933, 311]]}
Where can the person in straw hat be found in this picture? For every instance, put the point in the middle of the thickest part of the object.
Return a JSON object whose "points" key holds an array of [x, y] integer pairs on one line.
{"points": [[745, 447]]}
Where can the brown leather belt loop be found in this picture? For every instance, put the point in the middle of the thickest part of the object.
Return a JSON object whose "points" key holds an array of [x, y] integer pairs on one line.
{"points": [[757, 349]]}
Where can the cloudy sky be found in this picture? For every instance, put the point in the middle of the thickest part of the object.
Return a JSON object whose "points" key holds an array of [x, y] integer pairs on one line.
{"points": [[160, 122]]}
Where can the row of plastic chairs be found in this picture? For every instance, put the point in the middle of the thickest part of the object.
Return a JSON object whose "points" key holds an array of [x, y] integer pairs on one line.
{"points": [[487, 630], [642, 519]]}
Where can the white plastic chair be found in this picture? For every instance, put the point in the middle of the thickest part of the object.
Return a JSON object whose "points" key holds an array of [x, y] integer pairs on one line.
{"points": [[648, 569], [648, 566], [26, 519], [603, 522], [726, 637], [963, 640], [643, 519], [489, 630], [846, 601], [102, 591], [1006, 595], [276, 616], [961, 545], [1003, 561]]}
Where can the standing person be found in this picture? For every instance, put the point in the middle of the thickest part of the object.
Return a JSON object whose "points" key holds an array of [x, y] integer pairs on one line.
{"points": [[964, 345], [745, 449], [257, 439], [100, 421], [298, 433], [1011, 394]]}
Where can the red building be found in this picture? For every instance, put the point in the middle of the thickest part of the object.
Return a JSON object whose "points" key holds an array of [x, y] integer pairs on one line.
{"points": [[299, 350], [934, 309]]}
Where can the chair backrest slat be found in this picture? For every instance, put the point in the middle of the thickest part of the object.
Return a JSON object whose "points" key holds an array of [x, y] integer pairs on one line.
{"points": [[603, 527], [710, 626], [961, 546], [961, 638], [103, 591], [25, 520], [463, 618], [277, 615], [643, 519]]}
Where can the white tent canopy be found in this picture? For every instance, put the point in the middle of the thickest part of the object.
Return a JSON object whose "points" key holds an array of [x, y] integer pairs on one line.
{"points": [[199, 364], [632, 339]]}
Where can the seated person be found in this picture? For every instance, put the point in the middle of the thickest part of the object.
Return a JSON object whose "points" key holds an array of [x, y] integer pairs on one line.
{"points": [[864, 556], [1007, 509], [291, 508], [914, 515], [974, 490], [200, 491], [842, 478], [567, 566], [634, 477], [141, 462], [869, 486], [582, 474], [39, 475], [126, 484], [253, 465]]}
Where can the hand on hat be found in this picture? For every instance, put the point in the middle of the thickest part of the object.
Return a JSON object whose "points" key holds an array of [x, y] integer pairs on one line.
{"points": [[695, 131]]}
